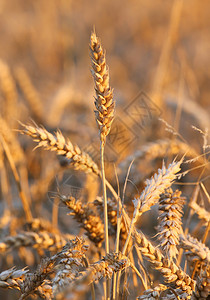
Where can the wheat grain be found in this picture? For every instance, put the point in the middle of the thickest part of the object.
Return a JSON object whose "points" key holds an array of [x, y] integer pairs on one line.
{"points": [[112, 262]]}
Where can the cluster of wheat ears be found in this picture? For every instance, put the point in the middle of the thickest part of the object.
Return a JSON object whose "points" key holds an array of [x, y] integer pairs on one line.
{"points": [[116, 259]]}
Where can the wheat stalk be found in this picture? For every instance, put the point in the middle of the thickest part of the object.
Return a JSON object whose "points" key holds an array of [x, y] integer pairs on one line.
{"points": [[9, 90], [112, 216]]}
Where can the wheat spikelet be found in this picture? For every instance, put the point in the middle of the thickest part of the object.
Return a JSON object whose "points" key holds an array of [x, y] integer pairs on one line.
{"points": [[30, 93], [195, 250], [34, 280], [67, 272], [12, 278], [170, 224], [200, 211], [76, 288], [45, 290], [104, 95], [78, 159], [42, 240], [84, 215]]}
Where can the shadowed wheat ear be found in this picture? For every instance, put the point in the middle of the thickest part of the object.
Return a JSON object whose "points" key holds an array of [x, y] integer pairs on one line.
{"points": [[104, 103]]}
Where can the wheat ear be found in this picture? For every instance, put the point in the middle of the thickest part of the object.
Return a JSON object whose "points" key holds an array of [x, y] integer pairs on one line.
{"points": [[104, 103], [71, 257], [42, 240], [84, 215], [202, 213], [34, 280], [78, 159], [159, 149], [163, 292], [150, 195], [170, 224], [195, 250], [171, 272]]}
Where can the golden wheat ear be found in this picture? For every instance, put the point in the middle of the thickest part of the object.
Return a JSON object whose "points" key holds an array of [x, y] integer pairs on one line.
{"points": [[104, 103]]}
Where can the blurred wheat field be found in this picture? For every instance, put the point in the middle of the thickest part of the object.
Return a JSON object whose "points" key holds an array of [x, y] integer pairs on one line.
{"points": [[117, 207]]}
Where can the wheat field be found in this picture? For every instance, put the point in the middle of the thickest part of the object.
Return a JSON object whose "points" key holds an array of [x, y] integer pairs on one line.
{"points": [[104, 150]]}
